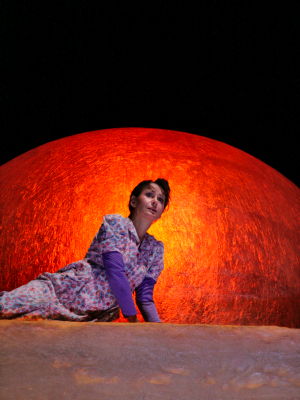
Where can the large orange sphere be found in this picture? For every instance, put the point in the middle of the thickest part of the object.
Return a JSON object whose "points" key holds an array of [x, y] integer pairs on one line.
{"points": [[231, 232]]}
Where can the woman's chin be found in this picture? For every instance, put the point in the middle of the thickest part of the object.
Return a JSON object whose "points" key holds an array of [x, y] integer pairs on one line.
{"points": [[151, 216]]}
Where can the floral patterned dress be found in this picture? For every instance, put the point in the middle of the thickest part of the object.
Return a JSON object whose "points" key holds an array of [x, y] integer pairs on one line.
{"points": [[80, 291]]}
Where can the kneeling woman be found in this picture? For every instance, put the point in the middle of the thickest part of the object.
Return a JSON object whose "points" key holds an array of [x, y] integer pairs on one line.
{"points": [[122, 258]]}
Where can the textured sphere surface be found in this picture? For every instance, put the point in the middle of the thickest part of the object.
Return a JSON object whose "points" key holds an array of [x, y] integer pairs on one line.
{"points": [[231, 233]]}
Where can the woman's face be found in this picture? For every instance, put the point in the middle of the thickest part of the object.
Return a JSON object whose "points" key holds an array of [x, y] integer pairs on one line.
{"points": [[150, 203]]}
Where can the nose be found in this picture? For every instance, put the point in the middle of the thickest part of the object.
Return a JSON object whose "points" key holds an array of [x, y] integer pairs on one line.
{"points": [[154, 202]]}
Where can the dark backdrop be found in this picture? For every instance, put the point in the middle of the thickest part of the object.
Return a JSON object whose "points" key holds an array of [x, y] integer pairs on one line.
{"points": [[225, 71]]}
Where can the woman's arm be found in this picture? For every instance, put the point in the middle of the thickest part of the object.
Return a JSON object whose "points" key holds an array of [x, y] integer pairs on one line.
{"points": [[144, 300], [144, 292], [114, 267]]}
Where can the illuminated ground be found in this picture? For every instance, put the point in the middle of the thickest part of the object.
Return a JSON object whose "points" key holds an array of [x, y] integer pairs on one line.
{"points": [[66, 360]]}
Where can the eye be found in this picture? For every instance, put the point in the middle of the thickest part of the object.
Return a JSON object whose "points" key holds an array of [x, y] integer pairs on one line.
{"points": [[161, 200], [149, 194]]}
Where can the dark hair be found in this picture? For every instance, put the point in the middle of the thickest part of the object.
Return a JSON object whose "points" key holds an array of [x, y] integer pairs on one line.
{"points": [[162, 183]]}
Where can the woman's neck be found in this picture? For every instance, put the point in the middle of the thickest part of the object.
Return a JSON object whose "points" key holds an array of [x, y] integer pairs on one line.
{"points": [[141, 226]]}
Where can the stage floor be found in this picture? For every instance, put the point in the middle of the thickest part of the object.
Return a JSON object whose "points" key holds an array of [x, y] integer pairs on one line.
{"points": [[45, 360]]}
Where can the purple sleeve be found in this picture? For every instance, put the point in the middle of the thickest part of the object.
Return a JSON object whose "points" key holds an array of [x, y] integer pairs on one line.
{"points": [[114, 267], [144, 300]]}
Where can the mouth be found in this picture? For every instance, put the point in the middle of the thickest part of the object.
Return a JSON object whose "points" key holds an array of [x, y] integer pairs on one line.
{"points": [[153, 210]]}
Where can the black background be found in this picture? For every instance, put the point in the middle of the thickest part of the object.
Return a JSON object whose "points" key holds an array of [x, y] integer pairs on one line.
{"points": [[224, 70]]}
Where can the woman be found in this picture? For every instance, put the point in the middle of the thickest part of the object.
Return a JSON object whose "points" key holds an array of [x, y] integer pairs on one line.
{"points": [[122, 258]]}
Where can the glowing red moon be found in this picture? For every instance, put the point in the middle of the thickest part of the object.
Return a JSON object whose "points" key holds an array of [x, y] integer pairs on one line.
{"points": [[231, 233]]}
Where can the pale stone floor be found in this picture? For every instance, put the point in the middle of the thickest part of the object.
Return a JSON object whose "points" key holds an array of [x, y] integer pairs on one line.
{"points": [[45, 360]]}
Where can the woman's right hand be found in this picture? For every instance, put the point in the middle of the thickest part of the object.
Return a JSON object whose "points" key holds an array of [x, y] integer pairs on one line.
{"points": [[132, 318]]}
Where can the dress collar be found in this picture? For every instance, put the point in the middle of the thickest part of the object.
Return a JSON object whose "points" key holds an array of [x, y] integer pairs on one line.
{"points": [[132, 230]]}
